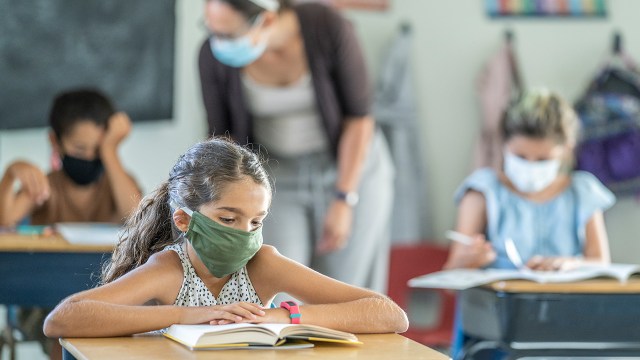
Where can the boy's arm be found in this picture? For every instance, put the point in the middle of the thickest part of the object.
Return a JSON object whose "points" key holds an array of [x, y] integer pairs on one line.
{"points": [[125, 190], [34, 190]]}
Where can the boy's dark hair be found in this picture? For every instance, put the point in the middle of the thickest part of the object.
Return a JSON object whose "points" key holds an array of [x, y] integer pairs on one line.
{"points": [[72, 107]]}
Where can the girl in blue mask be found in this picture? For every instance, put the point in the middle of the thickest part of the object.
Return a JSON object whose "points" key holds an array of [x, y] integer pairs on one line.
{"points": [[553, 215], [192, 253], [291, 77]]}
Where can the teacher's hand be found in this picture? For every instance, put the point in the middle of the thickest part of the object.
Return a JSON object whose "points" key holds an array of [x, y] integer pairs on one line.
{"points": [[337, 227]]}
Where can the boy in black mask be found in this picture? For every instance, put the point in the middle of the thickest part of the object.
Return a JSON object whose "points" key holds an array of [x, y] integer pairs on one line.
{"points": [[91, 185]]}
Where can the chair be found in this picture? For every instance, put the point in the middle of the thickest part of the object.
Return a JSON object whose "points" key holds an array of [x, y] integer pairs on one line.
{"points": [[408, 261]]}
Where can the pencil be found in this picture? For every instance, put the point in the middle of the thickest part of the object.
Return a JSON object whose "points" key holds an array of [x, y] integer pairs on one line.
{"points": [[459, 237]]}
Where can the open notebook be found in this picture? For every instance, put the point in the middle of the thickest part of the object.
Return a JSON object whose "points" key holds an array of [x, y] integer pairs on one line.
{"points": [[460, 279], [266, 336], [88, 233]]}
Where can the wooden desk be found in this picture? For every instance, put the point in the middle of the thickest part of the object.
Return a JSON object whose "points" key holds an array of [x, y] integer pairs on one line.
{"points": [[593, 286], [599, 317], [382, 346], [40, 243], [42, 270]]}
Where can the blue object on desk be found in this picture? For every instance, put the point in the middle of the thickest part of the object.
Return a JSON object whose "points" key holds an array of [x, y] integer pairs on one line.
{"points": [[30, 229]]}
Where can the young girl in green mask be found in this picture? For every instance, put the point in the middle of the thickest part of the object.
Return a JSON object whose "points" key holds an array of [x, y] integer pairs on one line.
{"points": [[192, 253]]}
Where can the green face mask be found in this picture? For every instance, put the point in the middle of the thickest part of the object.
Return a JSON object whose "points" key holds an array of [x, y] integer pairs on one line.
{"points": [[222, 249]]}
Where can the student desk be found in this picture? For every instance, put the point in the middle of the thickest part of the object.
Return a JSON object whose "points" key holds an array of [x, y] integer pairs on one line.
{"points": [[379, 346], [42, 270], [592, 317]]}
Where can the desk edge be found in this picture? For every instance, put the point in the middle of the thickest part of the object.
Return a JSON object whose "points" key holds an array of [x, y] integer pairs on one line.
{"points": [[72, 349]]}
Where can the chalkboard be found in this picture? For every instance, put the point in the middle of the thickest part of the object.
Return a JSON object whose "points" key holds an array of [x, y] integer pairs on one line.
{"points": [[123, 47]]}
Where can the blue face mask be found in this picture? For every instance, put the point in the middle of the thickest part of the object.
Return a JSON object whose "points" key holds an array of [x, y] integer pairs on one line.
{"points": [[238, 52]]}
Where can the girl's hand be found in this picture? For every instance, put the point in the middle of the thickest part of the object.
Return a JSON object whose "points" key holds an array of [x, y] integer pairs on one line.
{"points": [[32, 181], [337, 227], [556, 263], [478, 254], [222, 314], [274, 316]]}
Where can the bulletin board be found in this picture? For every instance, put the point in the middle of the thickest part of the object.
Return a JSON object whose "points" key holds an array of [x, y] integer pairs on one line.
{"points": [[123, 47], [546, 8]]}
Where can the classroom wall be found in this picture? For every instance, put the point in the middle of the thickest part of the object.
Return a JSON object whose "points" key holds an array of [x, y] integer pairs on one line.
{"points": [[452, 40]]}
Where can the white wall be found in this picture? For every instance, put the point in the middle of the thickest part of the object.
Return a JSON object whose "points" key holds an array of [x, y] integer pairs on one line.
{"points": [[452, 40]]}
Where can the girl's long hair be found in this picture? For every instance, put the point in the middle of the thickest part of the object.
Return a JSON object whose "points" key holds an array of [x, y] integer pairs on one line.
{"points": [[198, 177]]}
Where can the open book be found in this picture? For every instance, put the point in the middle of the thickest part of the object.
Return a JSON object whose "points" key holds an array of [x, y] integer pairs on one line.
{"points": [[460, 279], [242, 336]]}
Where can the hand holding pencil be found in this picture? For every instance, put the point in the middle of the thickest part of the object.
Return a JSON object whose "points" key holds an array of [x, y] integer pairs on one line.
{"points": [[469, 251]]}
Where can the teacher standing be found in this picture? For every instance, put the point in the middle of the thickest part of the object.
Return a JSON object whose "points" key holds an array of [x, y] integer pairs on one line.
{"points": [[292, 79]]}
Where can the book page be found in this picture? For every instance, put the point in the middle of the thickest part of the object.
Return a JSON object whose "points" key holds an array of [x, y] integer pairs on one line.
{"points": [[89, 233], [460, 279], [621, 272], [312, 332], [243, 335], [197, 336]]}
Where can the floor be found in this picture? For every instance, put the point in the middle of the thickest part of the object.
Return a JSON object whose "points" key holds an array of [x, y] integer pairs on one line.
{"points": [[28, 350]]}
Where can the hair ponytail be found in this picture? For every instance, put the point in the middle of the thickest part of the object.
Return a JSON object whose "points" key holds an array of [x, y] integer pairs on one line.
{"points": [[148, 230]]}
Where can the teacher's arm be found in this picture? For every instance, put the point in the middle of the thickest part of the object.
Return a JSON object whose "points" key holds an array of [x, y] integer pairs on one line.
{"points": [[354, 95]]}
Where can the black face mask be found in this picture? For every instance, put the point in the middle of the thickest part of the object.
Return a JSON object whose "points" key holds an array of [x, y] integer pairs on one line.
{"points": [[82, 172]]}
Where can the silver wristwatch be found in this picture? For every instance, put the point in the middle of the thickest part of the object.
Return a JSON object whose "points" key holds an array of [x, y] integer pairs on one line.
{"points": [[350, 197]]}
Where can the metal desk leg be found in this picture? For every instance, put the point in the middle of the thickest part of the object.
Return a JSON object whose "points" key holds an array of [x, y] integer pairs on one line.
{"points": [[471, 351]]}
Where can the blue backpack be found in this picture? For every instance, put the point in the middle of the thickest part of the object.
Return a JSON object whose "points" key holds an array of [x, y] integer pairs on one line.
{"points": [[609, 145]]}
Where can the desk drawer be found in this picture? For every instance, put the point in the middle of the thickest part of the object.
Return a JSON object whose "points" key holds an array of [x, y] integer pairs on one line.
{"points": [[526, 317]]}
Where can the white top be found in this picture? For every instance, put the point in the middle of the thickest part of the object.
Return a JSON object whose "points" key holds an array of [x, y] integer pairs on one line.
{"points": [[195, 293], [286, 118]]}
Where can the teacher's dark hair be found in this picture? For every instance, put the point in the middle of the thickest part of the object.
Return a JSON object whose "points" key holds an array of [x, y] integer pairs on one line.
{"points": [[251, 9]]}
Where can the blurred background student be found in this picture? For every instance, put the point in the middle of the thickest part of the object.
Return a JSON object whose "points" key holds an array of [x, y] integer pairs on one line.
{"points": [[553, 214], [91, 186], [292, 78]]}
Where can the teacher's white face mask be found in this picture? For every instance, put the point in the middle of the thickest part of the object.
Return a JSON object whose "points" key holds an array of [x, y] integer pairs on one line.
{"points": [[530, 176]]}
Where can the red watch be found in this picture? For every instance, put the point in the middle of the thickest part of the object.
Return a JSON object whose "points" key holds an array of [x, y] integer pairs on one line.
{"points": [[294, 311]]}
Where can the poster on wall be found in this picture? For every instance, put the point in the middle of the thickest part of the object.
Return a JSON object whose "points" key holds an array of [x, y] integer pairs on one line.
{"points": [[546, 8]]}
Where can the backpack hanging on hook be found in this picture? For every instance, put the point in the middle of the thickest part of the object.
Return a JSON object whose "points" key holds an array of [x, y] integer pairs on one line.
{"points": [[609, 112]]}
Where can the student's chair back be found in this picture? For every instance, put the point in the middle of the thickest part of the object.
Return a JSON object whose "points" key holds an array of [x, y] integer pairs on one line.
{"points": [[411, 260]]}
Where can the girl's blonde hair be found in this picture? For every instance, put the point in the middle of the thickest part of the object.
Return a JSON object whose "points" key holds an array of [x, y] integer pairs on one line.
{"points": [[542, 114], [198, 177]]}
